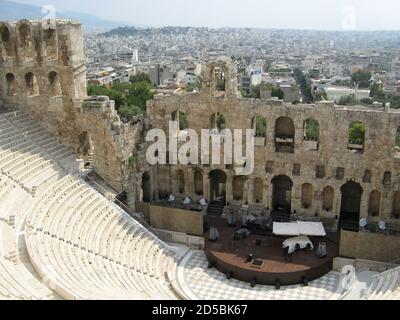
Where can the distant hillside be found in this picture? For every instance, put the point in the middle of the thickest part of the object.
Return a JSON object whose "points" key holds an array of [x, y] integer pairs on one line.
{"points": [[12, 11], [125, 31], [131, 31]]}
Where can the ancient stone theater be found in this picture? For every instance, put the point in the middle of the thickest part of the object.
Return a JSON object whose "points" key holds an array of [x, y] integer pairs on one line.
{"points": [[84, 215]]}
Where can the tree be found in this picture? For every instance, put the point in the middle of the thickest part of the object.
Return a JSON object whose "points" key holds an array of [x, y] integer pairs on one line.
{"points": [[140, 77], [277, 92], [220, 121], [357, 133], [195, 86], [312, 129], [130, 99], [128, 112], [349, 100], [261, 126], [138, 94], [114, 94], [361, 78], [255, 92], [182, 121], [376, 92], [304, 84]]}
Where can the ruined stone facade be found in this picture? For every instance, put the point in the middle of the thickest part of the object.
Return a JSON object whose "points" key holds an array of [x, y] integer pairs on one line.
{"points": [[324, 176], [42, 71]]}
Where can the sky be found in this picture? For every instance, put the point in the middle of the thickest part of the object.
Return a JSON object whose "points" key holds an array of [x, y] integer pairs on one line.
{"points": [[283, 14]]}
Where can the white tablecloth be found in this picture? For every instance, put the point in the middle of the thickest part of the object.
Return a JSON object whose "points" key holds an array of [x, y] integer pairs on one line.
{"points": [[314, 229], [286, 229]]}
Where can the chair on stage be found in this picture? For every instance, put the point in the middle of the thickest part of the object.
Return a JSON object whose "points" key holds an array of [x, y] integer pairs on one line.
{"points": [[322, 251]]}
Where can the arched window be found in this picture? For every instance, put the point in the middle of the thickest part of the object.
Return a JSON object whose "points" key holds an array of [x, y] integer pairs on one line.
{"points": [[174, 116], [374, 204], [284, 135], [146, 187], [198, 183], [219, 79], [218, 121], [5, 34], [237, 187], [26, 42], [311, 134], [11, 84], [311, 130], [55, 86], [178, 183], [306, 195], [260, 126], [182, 121], [327, 199], [396, 206], [164, 181], [50, 40], [24, 34], [387, 178], [31, 84], [6, 40], [367, 176], [356, 139]]}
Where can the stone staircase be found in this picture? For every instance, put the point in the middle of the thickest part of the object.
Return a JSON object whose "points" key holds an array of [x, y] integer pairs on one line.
{"points": [[216, 207], [279, 216], [349, 223]]}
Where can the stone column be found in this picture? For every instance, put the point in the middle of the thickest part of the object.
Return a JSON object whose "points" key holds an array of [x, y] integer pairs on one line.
{"points": [[206, 185], [189, 182], [364, 204], [317, 202], [250, 190], [386, 204], [337, 201], [229, 193], [296, 198], [267, 194], [155, 184]]}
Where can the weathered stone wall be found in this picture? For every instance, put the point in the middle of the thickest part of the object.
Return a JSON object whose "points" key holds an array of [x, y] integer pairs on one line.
{"points": [[370, 246], [173, 219], [43, 72], [333, 154]]}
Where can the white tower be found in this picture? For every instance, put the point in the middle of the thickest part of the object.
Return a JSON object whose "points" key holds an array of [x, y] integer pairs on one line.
{"points": [[135, 57]]}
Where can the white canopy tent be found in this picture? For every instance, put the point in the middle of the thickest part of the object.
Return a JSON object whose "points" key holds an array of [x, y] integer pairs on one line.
{"points": [[299, 228]]}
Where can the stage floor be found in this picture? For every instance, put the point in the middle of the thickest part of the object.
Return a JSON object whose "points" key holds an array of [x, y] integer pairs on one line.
{"points": [[230, 255]]}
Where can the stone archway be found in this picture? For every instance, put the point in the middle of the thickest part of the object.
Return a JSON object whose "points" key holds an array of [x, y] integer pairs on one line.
{"points": [[327, 199], [217, 185], [350, 206], [146, 187], [374, 203], [282, 194], [306, 196], [284, 135]]}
